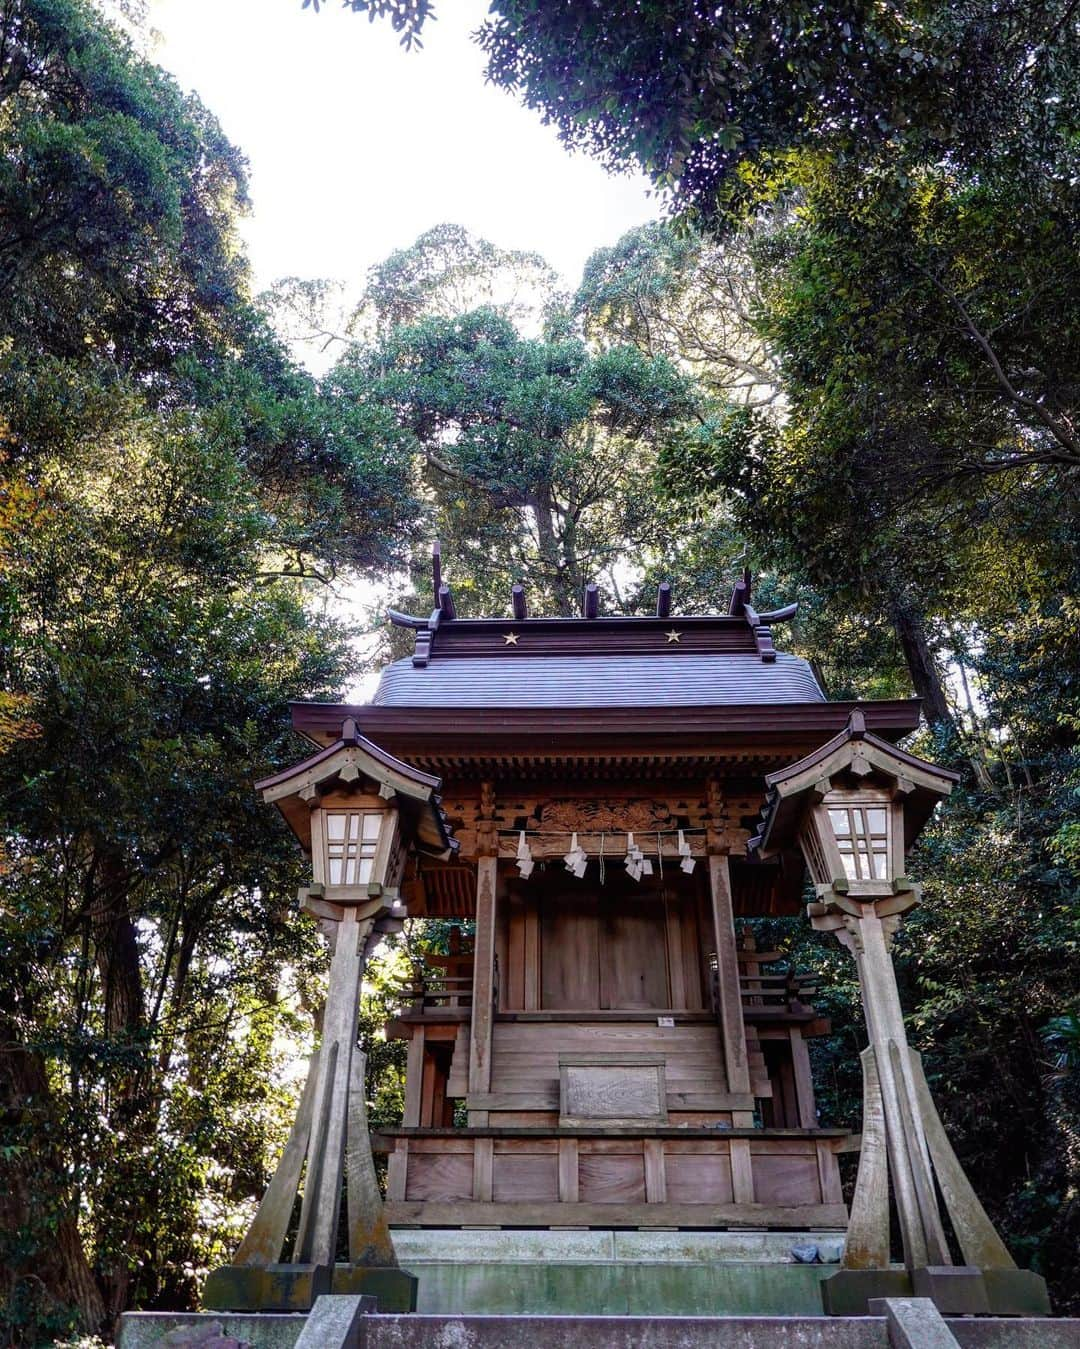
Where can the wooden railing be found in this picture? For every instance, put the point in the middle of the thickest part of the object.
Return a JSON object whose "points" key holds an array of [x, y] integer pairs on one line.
{"points": [[430, 990], [785, 989], [778, 991]]}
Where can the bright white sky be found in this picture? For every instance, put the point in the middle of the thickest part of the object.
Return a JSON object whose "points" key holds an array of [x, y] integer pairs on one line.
{"points": [[356, 146]]}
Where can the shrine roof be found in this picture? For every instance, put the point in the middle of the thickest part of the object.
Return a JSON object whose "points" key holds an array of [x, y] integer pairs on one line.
{"points": [[619, 679], [478, 693]]}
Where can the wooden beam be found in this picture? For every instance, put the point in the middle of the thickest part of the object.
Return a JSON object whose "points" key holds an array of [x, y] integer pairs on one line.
{"points": [[483, 1169], [804, 1082], [266, 1236], [742, 1171], [414, 1078], [483, 985], [369, 1235], [397, 1170], [740, 595], [655, 1177], [568, 1170], [446, 602], [316, 1240], [469, 1213], [727, 961], [436, 570]]}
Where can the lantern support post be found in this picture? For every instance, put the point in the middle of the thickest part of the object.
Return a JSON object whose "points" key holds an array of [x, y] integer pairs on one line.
{"points": [[331, 1147], [850, 808], [356, 811]]}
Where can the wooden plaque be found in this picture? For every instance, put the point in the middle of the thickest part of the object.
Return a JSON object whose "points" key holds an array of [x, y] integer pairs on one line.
{"points": [[611, 1089]]}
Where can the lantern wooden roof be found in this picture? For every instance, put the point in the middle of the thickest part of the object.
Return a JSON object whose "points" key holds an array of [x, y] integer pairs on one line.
{"points": [[857, 752], [351, 759]]}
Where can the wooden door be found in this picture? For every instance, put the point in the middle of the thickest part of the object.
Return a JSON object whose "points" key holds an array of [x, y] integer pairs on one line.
{"points": [[633, 953], [569, 952], [604, 952]]}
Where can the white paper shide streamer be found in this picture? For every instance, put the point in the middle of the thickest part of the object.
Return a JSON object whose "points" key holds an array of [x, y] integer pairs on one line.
{"points": [[525, 861], [637, 864], [687, 862], [576, 859]]}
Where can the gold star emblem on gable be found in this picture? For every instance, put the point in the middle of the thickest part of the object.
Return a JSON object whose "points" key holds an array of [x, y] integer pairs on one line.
{"points": [[674, 635], [510, 638]]}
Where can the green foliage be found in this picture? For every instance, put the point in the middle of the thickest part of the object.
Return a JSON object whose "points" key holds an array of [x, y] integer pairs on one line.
{"points": [[170, 486], [712, 104], [535, 454]]}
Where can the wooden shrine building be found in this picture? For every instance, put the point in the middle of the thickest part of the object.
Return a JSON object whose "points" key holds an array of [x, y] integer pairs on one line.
{"points": [[603, 1046]]}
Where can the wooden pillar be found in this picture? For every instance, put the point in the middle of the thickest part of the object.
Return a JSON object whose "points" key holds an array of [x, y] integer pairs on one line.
{"points": [[568, 1171], [729, 993], [484, 956], [316, 1239], [370, 1242], [483, 1169], [727, 973], [916, 1201], [414, 1078], [804, 1082]]}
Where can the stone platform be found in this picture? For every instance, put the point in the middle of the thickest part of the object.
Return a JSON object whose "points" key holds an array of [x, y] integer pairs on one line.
{"points": [[614, 1273], [147, 1330]]}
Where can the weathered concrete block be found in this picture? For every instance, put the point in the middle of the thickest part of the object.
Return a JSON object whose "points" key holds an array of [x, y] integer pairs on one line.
{"points": [[1040, 1332], [848, 1291], [157, 1330], [914, 1323], [393, 1289], [265, 1288], [334, 1322], [957, 1290], [621, 1332], [1016, 1292]]}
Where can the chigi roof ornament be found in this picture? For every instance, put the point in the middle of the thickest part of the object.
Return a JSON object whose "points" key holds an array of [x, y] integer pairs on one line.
{"points": [[741, 629]]}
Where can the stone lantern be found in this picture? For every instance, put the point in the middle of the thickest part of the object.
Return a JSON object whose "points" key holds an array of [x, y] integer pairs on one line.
{"points": [[357, 812], [852, 808]]}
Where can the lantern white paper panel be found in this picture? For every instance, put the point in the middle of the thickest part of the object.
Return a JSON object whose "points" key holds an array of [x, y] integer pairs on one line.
{"points": [[352, 837]]}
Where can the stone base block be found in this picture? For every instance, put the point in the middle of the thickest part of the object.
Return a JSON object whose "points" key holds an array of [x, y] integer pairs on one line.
{"points": [[152, 1330], [1016, 1292], [394, 1289], [848, 1291], [265, 1288], [294, 1288], [956, 1290]]}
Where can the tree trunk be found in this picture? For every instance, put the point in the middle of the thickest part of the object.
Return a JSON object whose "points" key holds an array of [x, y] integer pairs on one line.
{"points": [[35, 1197], [908, 624], [116, 947], [566, 593], [133, 1112]]}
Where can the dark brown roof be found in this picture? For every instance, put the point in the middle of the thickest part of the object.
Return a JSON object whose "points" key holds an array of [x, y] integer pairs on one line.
{"points": [[417, 792], [664, 679], [787, 788]]}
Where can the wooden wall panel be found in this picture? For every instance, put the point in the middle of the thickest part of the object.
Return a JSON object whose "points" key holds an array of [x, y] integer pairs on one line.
{"points": [[525, 1059], [633, 955], [786, 1178], [701, 1178], [521, 1176], [439, 1175], [511, 928], [693, 951], [608, 1176], [570, 953]]}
